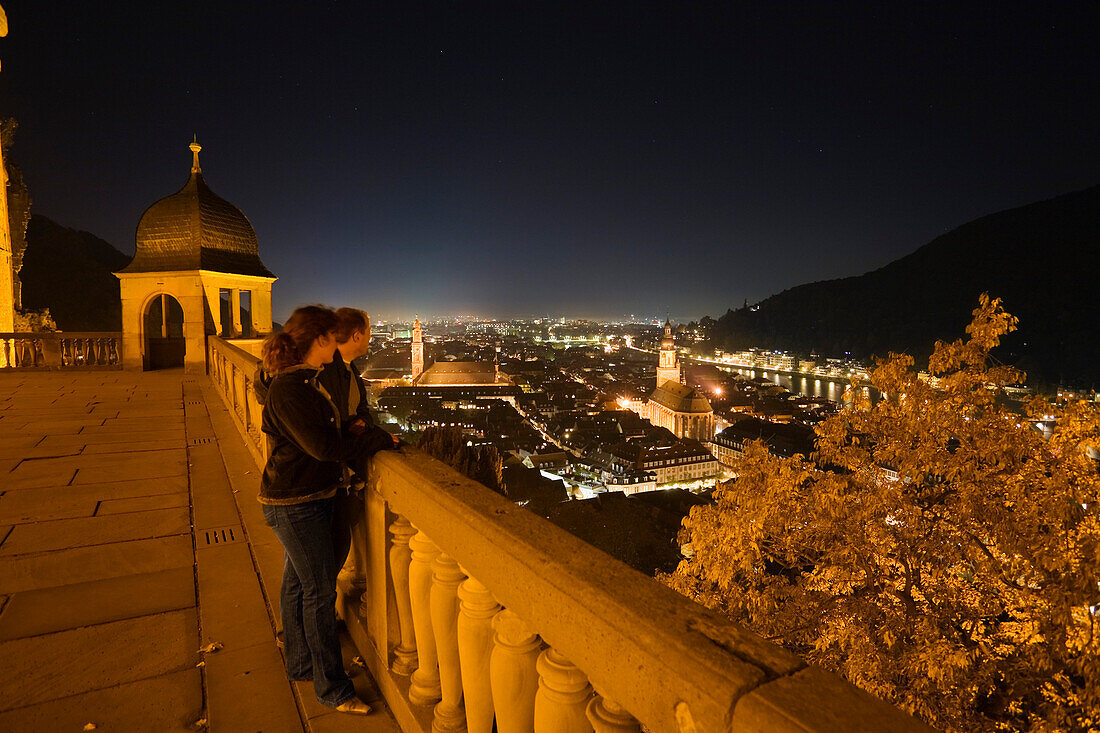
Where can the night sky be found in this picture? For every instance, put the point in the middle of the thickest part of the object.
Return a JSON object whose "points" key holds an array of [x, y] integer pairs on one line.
{"points": [[523, 158]]}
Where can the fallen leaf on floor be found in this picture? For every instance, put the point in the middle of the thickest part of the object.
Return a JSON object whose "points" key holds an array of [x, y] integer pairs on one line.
{"points": [[89, 726], [200, 723], [201, 664], [211, 647], [358, 662]]}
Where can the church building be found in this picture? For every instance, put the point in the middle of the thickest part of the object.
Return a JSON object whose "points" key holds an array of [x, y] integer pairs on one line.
{"points": [[196, 271], [682, 410]]}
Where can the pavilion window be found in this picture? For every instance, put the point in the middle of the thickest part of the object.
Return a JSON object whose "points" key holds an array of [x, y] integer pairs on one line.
{"points": [[246, 313]]}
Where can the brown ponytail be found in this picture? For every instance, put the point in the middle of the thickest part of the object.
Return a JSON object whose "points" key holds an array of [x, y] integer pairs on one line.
{"points": [[286, 348], [350, 320]]}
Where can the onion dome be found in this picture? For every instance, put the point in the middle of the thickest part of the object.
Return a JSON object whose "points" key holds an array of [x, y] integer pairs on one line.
{"points": [[195, 229]]}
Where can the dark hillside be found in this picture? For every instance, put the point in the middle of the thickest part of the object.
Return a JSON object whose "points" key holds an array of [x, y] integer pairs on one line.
{"points": [[1041, 259], [70, 272]]}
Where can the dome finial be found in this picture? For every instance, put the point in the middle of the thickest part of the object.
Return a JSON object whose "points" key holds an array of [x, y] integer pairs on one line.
{"points": [[195, 148]]}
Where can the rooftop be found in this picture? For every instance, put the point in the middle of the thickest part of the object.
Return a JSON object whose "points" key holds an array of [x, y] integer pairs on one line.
{"points": [[195, 229]]}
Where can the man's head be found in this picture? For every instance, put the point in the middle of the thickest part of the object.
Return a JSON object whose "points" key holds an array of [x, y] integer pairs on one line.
{"points": [[352, 333]]}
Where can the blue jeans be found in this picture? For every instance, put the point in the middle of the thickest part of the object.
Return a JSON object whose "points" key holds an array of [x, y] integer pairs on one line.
{"points": [[308, 598]]}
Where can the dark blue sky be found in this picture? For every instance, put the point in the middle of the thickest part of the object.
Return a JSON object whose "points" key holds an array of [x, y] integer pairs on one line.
{"points": [[527, 158]]}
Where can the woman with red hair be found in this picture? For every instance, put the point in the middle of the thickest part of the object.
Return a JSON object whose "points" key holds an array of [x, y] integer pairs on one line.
{"points": [[303, 474]]}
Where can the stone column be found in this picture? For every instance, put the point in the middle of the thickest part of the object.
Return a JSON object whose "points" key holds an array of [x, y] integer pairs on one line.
{"points": [[404, 656], [607, 716], [261, 308], [449, 714], [475, 647], [562, 697], [513, 673], [424, 686]]}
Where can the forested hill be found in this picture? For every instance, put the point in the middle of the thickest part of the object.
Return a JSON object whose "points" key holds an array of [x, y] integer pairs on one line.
{"points": [[70, 272], [1041, 259]]}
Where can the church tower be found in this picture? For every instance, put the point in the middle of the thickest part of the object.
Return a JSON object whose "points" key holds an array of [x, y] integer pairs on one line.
{"points": [[668, 369], [417, 349]]}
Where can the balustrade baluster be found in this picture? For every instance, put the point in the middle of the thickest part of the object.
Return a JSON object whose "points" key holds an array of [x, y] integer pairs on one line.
{"points": [[446, 576], [424, 686], [562, 697], [607, 716], [233, 389], [513, 673], [404, 656], [246, 404], [475, 647]]}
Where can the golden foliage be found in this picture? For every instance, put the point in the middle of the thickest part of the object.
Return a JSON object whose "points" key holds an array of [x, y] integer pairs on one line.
{"points": [[965, 588]]}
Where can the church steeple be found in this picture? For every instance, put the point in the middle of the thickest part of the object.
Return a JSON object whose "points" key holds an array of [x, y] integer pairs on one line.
{"points": [[668, 369], [417, 349]]}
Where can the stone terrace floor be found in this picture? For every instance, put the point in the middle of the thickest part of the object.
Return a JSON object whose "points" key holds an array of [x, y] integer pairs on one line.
{"points": [[129, 538]]}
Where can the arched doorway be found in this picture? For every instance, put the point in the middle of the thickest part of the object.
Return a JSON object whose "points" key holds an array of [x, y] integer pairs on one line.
{"points": [[164, 343]]}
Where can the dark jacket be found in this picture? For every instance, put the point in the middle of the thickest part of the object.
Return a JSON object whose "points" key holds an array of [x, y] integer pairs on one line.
{"points": [[307, 441], [337, 378]]}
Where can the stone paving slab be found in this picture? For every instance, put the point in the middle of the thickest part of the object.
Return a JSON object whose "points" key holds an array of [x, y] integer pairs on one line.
{"points": [[55, 427], [63, 607], [122, 463], [35, 474], [72, 507], [250, 673], [22, 441], [142, 503], [84, 531], [81, 564], [143, 423], [9, 451], [52, 666], [113, 427], [98, 435], [41, 503], [143, 446], [236, 619], [168, 703]]}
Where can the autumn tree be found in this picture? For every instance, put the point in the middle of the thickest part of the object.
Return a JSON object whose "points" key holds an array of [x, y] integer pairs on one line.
{"points": [[937, 551]]}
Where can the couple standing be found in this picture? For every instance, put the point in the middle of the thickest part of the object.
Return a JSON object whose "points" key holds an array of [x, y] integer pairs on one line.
{"points": [[317, 425]]}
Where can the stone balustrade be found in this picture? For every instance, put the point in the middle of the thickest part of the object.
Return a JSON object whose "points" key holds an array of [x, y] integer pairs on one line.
{"points": [[233, 371], [470, 610], [61, 350]]}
